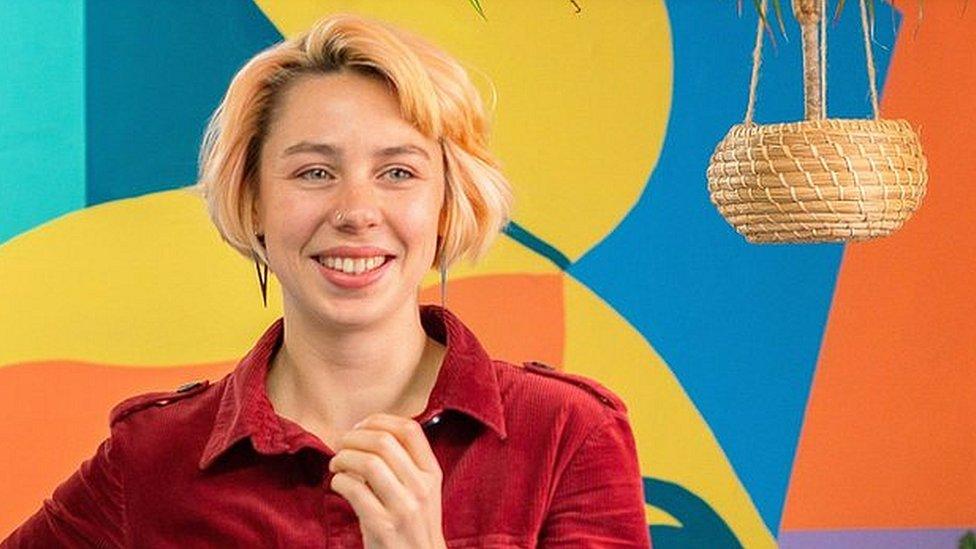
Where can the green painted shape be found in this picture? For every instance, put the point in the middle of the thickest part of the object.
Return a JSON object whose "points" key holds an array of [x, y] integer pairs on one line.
{"points": [[42, 116]]}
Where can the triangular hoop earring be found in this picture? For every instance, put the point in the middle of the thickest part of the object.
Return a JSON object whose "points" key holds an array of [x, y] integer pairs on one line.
{"points": [[262, 279]]}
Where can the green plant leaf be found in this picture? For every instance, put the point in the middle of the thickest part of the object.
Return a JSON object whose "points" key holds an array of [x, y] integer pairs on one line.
{"points": [[968, 541], [477, 6], [840, 8], [761, 12], [871, 19], [765, 21], [779, 16]]}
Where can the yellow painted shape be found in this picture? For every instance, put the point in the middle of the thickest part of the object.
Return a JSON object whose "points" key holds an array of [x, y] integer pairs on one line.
{"points": [[673, 440], [658, 517], [147, 281], [582, 98]]}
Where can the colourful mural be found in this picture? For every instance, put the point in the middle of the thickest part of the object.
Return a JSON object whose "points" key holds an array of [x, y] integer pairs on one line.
{"points": [[801, 396]]}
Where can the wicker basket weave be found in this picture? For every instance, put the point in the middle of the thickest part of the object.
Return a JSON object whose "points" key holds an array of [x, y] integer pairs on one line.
{"points": [[819, 180], [822, 179]]}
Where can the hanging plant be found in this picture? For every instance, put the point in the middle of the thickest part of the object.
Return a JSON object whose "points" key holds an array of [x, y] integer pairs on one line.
{"points": [[820, 179]]}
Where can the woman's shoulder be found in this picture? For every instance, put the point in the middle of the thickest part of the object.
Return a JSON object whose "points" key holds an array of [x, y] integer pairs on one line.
{"points": [[544, 388], [165, 430], [171, 422], [184, 400], [157, 399]]}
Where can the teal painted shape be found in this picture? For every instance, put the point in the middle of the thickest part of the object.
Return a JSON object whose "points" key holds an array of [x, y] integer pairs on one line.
{"points": [[42, 133], [700, 526], [156, 71]]}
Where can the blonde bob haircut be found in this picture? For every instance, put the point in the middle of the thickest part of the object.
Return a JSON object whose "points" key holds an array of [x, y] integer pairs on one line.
{"points": [[435, 94]]}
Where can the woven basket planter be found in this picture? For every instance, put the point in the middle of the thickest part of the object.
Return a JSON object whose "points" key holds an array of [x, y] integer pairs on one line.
{"points": [[821, 179]]}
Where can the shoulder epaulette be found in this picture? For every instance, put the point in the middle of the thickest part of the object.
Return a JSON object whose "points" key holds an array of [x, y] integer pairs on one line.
{"points": [[604, 395], [161, 398]]}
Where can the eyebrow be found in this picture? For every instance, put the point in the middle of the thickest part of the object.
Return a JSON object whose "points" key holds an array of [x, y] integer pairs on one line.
{"points": [[326, 149]]}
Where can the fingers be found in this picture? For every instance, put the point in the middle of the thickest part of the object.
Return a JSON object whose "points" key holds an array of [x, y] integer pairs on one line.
{"points": [[387, 471], [364, 444], [363, 500], [380, 451], [377, 475], [410, 435]]}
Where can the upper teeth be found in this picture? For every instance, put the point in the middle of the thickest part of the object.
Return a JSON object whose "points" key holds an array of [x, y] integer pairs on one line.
{"points": [[351, 265]]}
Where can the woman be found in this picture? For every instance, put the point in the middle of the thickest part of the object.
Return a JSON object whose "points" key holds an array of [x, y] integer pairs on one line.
{"points": [[349, 161]]}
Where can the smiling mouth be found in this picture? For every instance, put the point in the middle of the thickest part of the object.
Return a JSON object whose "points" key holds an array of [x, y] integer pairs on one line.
{"points": [[353, 266]]}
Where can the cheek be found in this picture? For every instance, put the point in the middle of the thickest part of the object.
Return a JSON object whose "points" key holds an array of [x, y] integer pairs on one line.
{"points": [[417, 224], [419, 219], [289, 217]]}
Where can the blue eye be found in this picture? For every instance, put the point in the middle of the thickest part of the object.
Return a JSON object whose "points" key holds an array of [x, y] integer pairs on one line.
{"points": [[314, 173], [407, 174]]}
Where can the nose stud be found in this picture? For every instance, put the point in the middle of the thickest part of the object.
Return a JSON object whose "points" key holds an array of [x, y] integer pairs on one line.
{"points": [[338, 216]]}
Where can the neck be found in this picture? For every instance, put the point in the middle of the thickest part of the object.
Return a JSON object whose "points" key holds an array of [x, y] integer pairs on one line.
{"points": [[326, 379]]}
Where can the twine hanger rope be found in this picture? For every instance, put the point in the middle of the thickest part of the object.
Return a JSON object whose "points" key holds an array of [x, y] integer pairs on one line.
{"points": [[810, 13]]}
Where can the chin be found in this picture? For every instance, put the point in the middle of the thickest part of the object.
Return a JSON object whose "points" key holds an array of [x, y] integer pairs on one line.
{"points": [[355, 312]]}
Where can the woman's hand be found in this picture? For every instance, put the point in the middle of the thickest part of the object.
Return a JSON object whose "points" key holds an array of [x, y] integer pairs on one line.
{"points": [[387, 471]]}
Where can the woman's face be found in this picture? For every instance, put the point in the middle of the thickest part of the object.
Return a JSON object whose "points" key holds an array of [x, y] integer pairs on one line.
{"points": [[349, 200]]}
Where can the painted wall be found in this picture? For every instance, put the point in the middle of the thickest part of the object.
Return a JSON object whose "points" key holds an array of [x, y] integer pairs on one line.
{"points": [[806, 396]]}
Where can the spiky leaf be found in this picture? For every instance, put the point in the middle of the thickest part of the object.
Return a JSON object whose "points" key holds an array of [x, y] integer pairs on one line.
{"points": [[477, 7]]}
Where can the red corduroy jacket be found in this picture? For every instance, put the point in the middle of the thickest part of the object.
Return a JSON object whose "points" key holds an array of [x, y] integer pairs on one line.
{"points": [[531, 457]]}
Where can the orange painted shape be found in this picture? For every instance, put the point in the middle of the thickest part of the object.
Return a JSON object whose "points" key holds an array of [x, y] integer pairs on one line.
{"points": [[517, 317], [889, 439]]}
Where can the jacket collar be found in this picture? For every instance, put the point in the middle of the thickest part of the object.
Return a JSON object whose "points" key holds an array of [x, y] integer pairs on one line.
{"points": [[466, 383]]}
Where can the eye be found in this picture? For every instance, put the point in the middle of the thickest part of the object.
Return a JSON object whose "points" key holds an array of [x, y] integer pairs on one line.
{"points": [[400, 174], [314, 173]]}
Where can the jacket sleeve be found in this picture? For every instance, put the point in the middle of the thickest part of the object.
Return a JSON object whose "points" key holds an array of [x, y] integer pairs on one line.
{"points": [[86, 510], [599, 499]]}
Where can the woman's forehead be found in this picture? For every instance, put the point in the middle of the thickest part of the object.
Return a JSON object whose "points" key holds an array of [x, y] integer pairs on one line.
{"points": [[340, 112]]}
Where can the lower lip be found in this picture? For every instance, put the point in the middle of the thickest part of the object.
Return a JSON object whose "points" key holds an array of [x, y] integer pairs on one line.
{"points": [[353, 281]]}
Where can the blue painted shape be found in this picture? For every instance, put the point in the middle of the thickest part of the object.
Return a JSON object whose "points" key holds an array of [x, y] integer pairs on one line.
{"points": [[42, 146], [156, 71], [739, 324], [521, 235], [700, 526]]}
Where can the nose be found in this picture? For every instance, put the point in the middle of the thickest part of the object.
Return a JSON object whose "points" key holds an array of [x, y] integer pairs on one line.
{"points": [[355, 208]]}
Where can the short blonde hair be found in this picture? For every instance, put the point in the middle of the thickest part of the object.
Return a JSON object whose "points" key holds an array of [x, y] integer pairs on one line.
{"points": [[435, 94]]}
